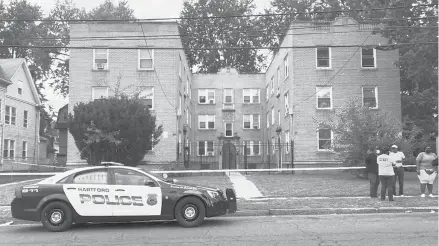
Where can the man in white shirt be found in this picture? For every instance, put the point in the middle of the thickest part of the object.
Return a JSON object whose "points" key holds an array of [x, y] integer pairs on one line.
{"points": [[385, 170], [399, 157]]}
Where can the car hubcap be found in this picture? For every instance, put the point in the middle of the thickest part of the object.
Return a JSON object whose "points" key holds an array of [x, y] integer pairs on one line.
{"points": [[56, 217], [190, 212]]}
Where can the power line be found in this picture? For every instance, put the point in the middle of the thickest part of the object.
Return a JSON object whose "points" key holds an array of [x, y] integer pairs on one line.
{"points": [[158, 79], [216, 48], [225, 16]]}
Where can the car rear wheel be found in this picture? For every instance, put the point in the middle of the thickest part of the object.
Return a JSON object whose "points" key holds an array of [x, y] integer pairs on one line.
{"points": [[56, 217], [190, 212]]}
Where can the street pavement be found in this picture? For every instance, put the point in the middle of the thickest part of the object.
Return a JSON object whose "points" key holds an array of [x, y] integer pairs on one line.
{"points": [[376, 229]]}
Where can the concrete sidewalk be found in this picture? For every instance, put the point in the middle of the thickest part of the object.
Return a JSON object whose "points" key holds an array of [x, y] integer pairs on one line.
{"points": [[243, 187]]}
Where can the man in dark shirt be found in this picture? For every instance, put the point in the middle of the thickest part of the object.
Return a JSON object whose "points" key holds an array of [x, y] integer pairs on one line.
{"points": [[372, 171]]}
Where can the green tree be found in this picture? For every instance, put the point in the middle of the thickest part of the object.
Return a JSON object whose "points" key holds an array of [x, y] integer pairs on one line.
{"points": [[220, 32], [118, 129], [109, 11], [356, 128]]}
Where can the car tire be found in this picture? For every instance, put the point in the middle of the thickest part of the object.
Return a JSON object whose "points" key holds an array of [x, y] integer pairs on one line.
{"points": [[190, 212], [57, 217]]}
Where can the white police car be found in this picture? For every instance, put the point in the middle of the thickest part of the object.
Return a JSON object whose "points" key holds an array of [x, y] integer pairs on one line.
{"points": [[114, 193]]}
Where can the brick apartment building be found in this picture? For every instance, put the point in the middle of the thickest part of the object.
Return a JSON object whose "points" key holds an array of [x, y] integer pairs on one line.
{"points": [[216, 115], [20, 114]]}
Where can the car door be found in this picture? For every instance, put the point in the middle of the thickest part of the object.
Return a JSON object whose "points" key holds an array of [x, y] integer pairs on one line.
{"points": [[138, 193], [89, 192]]}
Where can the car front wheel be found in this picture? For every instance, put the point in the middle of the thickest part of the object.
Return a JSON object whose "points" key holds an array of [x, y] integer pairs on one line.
{"points": [[56, 217], [190, 212]]}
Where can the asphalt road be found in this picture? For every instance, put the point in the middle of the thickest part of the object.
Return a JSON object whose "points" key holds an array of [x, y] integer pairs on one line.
{"points": [[372, 229]]}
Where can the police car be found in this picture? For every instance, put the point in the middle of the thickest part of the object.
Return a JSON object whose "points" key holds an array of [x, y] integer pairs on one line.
{"points": [[116, 193]]}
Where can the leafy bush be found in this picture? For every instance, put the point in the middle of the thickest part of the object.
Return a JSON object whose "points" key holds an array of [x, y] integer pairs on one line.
{"points": [[118, 129]]}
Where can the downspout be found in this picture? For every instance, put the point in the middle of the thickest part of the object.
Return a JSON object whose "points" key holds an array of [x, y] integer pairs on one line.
{"points": [[36, 147]]}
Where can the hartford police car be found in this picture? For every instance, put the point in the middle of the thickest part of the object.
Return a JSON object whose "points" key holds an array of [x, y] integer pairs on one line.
{"points": [[117, 194]]}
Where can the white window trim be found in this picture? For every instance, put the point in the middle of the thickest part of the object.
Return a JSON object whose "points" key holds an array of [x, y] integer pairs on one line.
{"points": [[317, 98], [225, 128], [272, 85], [286, 67], [224, 91], [94, 59], [207, 122], [251, 95], [10, 115], [252, 122], [374, 60], [93, 92], [279, 117], [139, 58], [205, 148], [187, 86], [268, 119], [318, 139], [206, 91], [23, 150], [250, 145], [179, 67], [187, 116], [8, 148], [267, 92], [376, 95], [153, 94], [20, 87], [330, 59]]}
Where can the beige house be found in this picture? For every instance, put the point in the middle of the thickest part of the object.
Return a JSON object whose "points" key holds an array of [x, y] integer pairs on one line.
{"points": [[20, 113]]}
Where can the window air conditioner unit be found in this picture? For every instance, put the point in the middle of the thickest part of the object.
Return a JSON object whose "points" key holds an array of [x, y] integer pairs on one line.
{"points": [[210, 153], [100, 66]]}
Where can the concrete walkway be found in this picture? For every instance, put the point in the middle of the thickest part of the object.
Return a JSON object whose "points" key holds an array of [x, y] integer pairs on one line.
{"points": [[244, 188]]}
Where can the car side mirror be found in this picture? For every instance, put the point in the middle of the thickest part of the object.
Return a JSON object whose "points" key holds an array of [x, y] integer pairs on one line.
{"points": [[150, 184]]}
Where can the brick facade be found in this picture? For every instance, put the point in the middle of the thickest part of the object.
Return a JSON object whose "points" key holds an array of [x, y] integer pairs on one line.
{"points": [[293, 71]]}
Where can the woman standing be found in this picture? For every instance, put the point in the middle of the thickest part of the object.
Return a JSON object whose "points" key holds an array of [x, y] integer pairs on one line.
{"points": [[426, 171]]}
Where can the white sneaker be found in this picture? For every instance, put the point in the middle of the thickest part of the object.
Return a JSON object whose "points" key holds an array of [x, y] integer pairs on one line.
{"points": [[431, 195], [423, 195]]}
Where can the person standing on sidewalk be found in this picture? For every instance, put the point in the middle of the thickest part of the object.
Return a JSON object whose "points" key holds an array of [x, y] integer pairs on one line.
{"points": [[398, 157], [385, 170], [372, 172], [427, 172]]}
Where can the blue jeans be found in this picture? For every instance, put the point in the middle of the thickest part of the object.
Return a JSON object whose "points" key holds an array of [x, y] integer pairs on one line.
{"points": [[386, 184], [374, 183], [399, 174]]}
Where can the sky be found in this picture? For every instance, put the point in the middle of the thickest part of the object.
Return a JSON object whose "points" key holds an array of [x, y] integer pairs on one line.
{"points": [[143, 9]]}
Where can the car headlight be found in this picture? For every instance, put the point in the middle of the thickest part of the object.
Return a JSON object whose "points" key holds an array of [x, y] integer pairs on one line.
{"points": [[214, 194]]}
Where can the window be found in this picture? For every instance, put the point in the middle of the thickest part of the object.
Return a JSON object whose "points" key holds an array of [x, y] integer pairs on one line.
{"points": [[206, 96], [93, 177], [146, 59], [130, 177], [278, 117], [286, 67], [368, 58], [267, 92], [205, 148], [229, 129], [286, 103], [287, 142], [325, 139], [20, 87], [206, 121], [180, 65], [324, 57], [99, 92], [251, 121], [147, 95], [25, 118], [9, 148], [272, 116], [251, 95], [24, 150], [268, 119], [370, 97], [272, 85], [150, 146], [324, 97], [253, 148], [10, 115], [100, 59], [228, 95]]}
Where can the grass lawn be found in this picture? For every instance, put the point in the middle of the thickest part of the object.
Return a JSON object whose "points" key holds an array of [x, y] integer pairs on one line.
{"points": [[337, 203], [221, 182], [329, 184]]}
